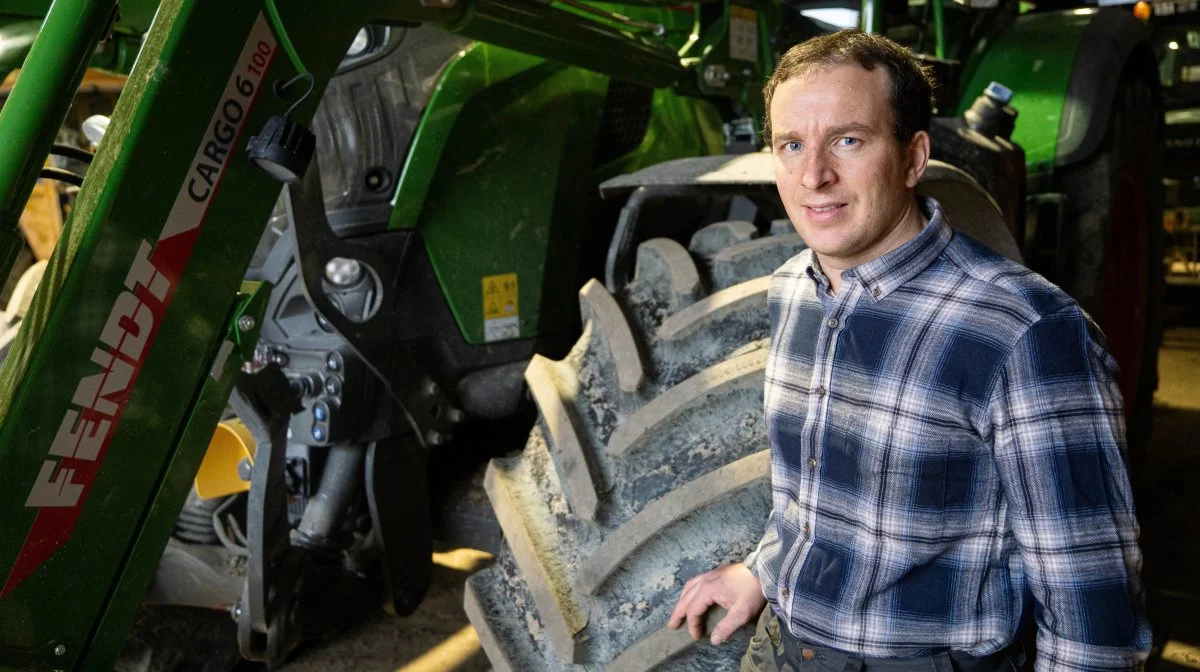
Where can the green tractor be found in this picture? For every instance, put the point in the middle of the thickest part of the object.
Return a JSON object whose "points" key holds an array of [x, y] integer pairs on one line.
{"points": [[539, 232]]}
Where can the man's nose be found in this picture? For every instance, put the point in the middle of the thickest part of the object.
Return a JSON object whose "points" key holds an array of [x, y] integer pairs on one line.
{"points": [[816, 172]]}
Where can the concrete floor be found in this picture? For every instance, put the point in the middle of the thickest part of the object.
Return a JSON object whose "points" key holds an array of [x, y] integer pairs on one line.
{"points": [[437, 638]]}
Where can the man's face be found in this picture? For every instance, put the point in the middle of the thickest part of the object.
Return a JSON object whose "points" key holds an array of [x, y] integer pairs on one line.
{"points": [[845, 181]]}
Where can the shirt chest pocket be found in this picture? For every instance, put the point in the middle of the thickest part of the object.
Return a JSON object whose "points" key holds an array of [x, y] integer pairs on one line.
{"points": [[929, 484]]}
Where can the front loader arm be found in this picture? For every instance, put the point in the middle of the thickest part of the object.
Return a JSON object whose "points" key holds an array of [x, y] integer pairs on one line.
{"points": [[99, 387]]}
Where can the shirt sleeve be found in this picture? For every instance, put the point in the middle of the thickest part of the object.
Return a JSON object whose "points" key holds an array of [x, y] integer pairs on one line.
{"points": [[1059, 442], [767, 547]]}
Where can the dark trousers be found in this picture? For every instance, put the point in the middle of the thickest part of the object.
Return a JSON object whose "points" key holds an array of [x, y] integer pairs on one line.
{"points": [[774, 649]]}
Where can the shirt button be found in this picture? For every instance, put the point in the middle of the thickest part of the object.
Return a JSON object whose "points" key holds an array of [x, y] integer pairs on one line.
{"points": [[820, 391], [807, 530], [785, 593], [875, 291], [833, 322], [812, 462]]}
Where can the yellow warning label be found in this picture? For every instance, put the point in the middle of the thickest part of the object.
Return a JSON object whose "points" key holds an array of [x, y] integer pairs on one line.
{"points": [[500, 296], [743, 33]]}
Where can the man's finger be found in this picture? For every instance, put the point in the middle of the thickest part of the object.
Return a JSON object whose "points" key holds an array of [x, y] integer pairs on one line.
{"points": [[728, 625], [678, 614], [685, 597], [697, 608]]}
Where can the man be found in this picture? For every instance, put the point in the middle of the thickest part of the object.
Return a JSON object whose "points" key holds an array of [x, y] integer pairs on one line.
{"points": [[945, 429]]}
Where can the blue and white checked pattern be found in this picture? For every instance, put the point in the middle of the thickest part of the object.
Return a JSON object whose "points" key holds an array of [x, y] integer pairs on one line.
{"points": [[946, 438]]}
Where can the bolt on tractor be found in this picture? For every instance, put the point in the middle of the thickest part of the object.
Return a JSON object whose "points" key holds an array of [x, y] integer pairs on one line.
{"points": [[327, 258]]}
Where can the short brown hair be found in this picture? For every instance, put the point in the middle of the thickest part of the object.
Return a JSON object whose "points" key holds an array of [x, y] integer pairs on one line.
{"points": [[912, 82]]}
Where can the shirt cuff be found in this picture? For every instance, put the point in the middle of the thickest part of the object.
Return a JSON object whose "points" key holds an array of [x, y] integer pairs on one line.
{"points": [[761, 553], [1056, 654]]}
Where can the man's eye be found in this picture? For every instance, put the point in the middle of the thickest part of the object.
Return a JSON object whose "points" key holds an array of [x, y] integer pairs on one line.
{"points": [[848, 141], [793, 146]]}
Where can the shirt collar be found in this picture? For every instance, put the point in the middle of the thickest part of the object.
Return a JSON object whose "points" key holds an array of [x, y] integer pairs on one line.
{"points": [[816, 273], [882, 276]]}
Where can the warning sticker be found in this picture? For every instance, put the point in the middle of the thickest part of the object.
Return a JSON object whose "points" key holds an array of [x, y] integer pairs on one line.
{"points": [[743, 33], [501, 314]]}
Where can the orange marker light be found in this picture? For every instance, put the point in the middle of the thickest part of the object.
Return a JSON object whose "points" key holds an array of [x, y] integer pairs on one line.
{"points": [[1142, 10]]}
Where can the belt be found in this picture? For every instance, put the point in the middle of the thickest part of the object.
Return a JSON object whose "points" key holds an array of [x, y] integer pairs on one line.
{"points": [[797, 653]]}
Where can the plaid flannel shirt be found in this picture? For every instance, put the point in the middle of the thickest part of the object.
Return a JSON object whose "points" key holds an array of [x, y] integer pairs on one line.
{"points": [[946, 440]]}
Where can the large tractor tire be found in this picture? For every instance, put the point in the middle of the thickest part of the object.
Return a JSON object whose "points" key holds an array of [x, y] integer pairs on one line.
{"points": [[1113, 244], [649, 462]]}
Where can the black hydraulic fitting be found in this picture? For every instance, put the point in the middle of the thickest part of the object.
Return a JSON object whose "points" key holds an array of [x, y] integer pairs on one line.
{"points": [[991, 114]]}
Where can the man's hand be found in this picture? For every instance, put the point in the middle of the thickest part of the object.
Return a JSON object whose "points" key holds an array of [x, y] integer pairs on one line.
{"points": [[732, 587]]}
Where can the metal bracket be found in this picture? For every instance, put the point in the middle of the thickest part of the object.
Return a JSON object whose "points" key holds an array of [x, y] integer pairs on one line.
{"points": [[400, 517], [264, 402], [372, 339]]}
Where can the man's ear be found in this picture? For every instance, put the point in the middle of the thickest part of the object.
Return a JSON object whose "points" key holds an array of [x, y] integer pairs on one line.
{"points": [[918, 158]]}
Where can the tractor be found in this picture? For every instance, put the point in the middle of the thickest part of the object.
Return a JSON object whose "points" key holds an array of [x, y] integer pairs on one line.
{"points": [[335, 270]]}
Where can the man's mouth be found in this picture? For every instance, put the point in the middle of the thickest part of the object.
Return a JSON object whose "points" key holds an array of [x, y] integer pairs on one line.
{"points": [[824, 209]]}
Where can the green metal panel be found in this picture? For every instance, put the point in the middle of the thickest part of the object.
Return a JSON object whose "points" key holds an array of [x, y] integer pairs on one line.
{"points": [[500, 164], [138, 574], [505, 147], [1034, 57], [679, 127]]}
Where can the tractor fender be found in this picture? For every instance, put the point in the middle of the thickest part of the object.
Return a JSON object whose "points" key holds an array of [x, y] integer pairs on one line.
{"points": [[1107, 44], [1063, 67], [966, 204]]}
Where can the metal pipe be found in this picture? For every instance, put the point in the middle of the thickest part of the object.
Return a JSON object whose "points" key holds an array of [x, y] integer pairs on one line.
{"points": [[38, 105], [939, 28], [870, 17], [15, 40], [321, 526], [656, 28], [548, 32], [539, 28]]}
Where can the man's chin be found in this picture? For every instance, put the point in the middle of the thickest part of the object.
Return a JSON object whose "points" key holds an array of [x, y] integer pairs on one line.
{"points": [[826, 249]]}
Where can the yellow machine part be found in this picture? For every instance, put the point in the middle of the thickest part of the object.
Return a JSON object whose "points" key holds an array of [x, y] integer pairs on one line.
{"points": [[218, 475]]}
